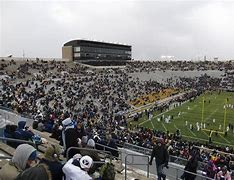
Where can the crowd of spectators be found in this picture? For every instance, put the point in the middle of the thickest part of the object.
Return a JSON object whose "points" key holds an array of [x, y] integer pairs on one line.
{"points": [[72, 101], [151, 66]]}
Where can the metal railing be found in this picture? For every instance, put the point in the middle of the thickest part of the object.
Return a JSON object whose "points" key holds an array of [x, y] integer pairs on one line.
{"points": [[106, 153], [139, 149], [198, 176], [107, 148], [5, 157], [147, 151], [18, 141], [137, 164]]}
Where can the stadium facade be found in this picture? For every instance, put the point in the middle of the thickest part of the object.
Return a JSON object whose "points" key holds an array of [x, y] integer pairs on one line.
{"points": [[88, 51]]}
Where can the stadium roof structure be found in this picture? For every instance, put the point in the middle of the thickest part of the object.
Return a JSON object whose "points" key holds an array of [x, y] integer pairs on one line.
{"points": [[97, 41]]}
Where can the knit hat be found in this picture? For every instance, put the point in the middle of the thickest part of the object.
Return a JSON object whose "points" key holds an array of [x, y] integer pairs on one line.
{"points": [[84, 139], [86, 162], [33, 156], [91, 143], [52, 153]]}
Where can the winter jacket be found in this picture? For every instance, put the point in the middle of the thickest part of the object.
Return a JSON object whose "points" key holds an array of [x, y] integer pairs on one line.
{"points": [[39, 172], [161, 155], [191, 166], [71, 141], [73, 172], [55, 168], [22, 133]]}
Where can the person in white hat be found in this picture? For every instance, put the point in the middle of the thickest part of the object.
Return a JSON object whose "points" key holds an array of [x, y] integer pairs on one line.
{"points": [[78, 171], [93, 154]]}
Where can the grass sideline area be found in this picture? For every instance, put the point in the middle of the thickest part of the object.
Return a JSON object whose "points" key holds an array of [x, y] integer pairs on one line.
{"points": [[215, 109]]}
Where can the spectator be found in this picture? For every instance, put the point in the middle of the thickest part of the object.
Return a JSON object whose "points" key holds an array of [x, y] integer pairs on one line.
{"points": [[224, 174], [69, 136], [78, 171], [161, 156], [112, 144], [84, 141], [93, 154], [22, 132], [191, 166], [211, 169], [25, 156], [51, 159]]}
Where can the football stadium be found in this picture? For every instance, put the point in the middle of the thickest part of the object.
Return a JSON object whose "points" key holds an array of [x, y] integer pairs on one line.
{"points": [[116, 90], [63, 110]]}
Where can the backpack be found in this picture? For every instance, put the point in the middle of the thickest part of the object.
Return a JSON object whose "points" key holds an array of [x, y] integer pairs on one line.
{"points": [[37, 139], [107, 171]]}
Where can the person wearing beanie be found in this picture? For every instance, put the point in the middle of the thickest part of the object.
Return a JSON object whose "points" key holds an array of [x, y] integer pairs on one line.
{"points": [[51, 159], [91, 143], [84, 141], [24, 157], [78, 171]]}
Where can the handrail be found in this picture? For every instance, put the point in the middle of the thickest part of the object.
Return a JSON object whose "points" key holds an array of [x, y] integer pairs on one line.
{"points": [[138, 147], [107, 147], [221, 152], [18, 140], [132, 155], [196, 174], [88, 149], [5, 157], [148, 151]]}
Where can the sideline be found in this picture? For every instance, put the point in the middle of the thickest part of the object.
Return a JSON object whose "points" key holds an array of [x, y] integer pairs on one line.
{"points": [[225, 144]]}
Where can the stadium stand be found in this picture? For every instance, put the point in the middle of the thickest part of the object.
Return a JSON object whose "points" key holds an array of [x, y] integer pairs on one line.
{"points": [[96, 101]]}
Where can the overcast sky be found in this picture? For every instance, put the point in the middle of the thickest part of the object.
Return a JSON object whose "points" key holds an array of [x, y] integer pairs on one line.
{"points": [[184, 29]]}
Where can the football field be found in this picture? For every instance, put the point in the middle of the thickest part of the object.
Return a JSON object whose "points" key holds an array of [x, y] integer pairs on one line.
{"points": [[209, 115]]}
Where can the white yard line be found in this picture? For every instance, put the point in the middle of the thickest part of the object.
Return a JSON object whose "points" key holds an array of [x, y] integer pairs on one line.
{"points": [[143, 122], [152, 124], [176, 126], [224, 138], [205, 133], [192, 132], [164, 126], [211, 114]]}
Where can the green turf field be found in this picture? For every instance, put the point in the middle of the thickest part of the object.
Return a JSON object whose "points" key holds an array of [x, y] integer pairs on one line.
{"points": [[206, 109]]}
